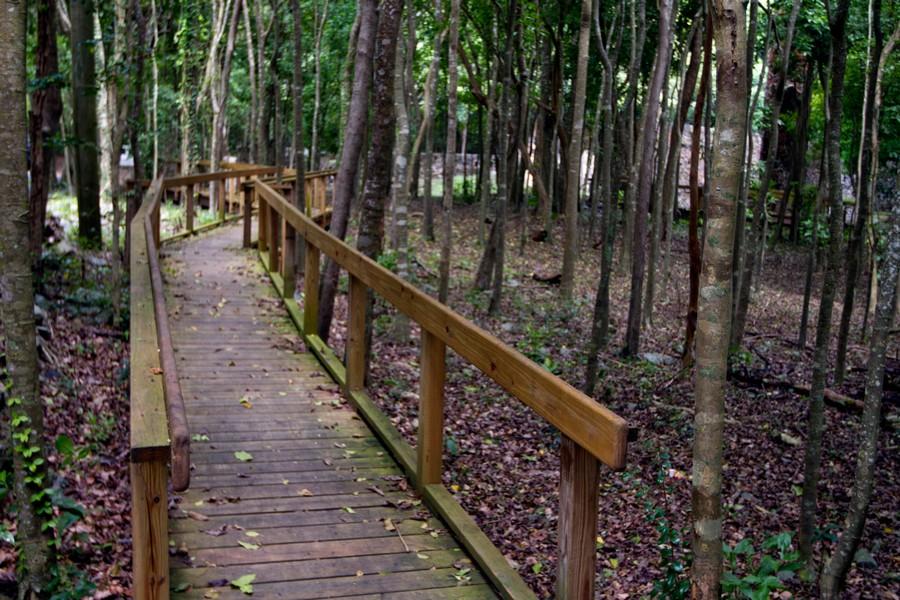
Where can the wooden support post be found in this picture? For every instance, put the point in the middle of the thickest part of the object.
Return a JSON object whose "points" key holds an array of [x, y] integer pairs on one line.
{"points": [[431, 409], [150, 530], [156, 222], [189, 208], [356, 336], [311, 290], [578, 495], [263, 215], [248, 215], [220, 185], [273, 222], [288, 244]]}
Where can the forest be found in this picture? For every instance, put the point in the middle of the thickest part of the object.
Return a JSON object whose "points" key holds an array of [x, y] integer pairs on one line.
{"points": [[661, 240]]}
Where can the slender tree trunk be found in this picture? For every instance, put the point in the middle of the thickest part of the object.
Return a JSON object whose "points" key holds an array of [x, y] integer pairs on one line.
{"points": [[23, 403], [573, 168], [297, 107], [645, 177], [254, 89], [814, 249], [856, 248], [798, 166], [347, 73], [317, 94], [46, 111], [428, 123], [757, 239], [399, 189], [694, 248], [715, 303], [449, 154], [813, 459], [381, 150], [84, 97], [838, 564], [348, 168], [638, 35]]}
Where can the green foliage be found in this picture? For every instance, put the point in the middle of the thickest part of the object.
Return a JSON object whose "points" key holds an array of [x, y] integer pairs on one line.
{"points": [[764, 572], [534, 346]]}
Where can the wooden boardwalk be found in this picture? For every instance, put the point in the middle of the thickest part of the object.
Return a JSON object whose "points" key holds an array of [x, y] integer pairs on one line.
{"points": [[289, 484]]}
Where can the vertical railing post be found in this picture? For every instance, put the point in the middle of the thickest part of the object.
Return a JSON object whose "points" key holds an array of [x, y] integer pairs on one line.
{"points": [[311, 290], [431, 409], [356, 336], [288, 245], [273, 233], [189, 208], [263, 216], [579, 473], [150, 530], [248, 214], [156, 219], [220, 186]]}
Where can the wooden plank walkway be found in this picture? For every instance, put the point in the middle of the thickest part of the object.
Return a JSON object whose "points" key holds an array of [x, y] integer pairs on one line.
{"points": [[321, 510]]}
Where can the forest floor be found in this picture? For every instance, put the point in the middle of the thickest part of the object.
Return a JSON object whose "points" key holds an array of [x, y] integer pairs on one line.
{"points": [[502, 459]]}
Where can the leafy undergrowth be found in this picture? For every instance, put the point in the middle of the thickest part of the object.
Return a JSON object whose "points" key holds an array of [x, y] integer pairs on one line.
{"points": [[84, 384], [501, 459]]}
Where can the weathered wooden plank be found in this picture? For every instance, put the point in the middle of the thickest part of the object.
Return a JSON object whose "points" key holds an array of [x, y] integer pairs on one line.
{"points": [[149, 527], [356, 336], [578, 494]]}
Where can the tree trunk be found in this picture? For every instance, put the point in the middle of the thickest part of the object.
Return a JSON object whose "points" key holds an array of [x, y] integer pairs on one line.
{"points": [[645, 177], [399, 189], [297, 107], [381, 150], [428, 124], [638, 35], [573, 168], [694, 249], [715, 303], [856, 248], [84, 99], [757, 239], [836, 568], [348, 168], [450, 153], [317, 94], [798, 161], [23, 402], [347, 73], [816, 425], [46, 111]]}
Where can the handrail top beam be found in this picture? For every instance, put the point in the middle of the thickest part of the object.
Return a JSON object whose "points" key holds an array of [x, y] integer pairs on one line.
{"points": [[183, 180]]}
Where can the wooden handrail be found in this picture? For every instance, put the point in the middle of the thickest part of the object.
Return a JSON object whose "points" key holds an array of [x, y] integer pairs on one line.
{"points": [[591, 425], [590, 432], [171, 182]]}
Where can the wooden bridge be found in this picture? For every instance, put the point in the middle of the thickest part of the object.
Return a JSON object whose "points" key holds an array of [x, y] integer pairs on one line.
{"points": [[288, 480]]}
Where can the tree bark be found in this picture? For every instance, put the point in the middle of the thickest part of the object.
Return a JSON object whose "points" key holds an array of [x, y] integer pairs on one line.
{"points": [[317, 92], [381, 150], [428, 124], [835, 571], [348, 169], [715, 300], [813, 458], [757, 239], [84, 100], [46, 111], [297, 143], [645, 177], [23, 402], [856, 248], [573, 168], [694, 249], [449, 154]]}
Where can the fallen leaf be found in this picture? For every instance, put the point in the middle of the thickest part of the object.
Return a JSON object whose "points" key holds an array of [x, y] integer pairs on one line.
{"points": [[243, 456], [389, 525], [348, 509], [304, 492], [243, 583], [251, 533], [248, 545], [156, 370], [217, 531], [197, 516]]}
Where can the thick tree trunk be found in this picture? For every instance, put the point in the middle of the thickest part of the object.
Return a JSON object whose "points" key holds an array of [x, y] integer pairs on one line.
{"points": [[449, 154], [381, 150], [573, 168], [46, 111], [645, 177], [715, 303], [856, 248], [84, 99], [836, 568], [23, 402], [348, 169], [816, 425]]}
